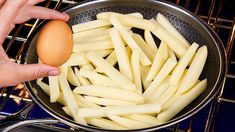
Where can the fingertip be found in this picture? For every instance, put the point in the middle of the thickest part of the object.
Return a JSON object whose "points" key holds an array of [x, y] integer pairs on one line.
{"points": [[65, 17]]}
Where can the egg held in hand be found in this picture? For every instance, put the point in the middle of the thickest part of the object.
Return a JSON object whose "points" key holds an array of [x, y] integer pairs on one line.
{"points": [[54, 43]]}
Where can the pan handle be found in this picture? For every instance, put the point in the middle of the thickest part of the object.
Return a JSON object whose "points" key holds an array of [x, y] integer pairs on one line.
{"points": [[29, 122]]}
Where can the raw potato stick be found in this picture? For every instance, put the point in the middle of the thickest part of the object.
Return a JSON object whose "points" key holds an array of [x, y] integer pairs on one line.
{"points": [[107, 102], [81, 79], [119, 110], [183, 101], [150, 41], [194, 70], [121, 53], [129, 123], [130, 41], [128, 20], [76, 59], [54, 88], [171, 29], [105, 123], [166, 95], [85, 103], [46, 89], [144, 46], [159, 90], [92, 46], [70, 99], [87, 66], [111, 72], [111, 59], [158, 62], [72, 78], [109, 92], [99, 79], [172, 42], [90, 35], [103, 53], [105, 16], [144, 70], [172, 54], [90, 25], [147, 119], [166, 69], [182, 64], [99, 122], [135, 64]]}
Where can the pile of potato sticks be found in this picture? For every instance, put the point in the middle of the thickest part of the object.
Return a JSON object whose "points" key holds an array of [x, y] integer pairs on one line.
{"points": [[123, 80]]}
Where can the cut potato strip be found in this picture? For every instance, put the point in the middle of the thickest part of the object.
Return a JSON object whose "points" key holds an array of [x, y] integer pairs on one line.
{"points": [[159, 90], [107, 102], [130, 41], [135, 64], [158, 62], [150, 41], [183, 101], [172, 42], [91, 33], [111, 72], [46, 89], [166, 69], [109, 92], [147, 119], [70, 99], [111, 59], [182, 64], [171, 29], [76, 59], [90, 25], [194, 70], [119, 110], [105, 123], [121, 54], [144, 70], [144, 46], [172, 54], [91, 46], [64, 69], [54, 88], [99, 122], [87, 66], [166, 95], [129, 52], [128, 20], [85, 103], [72, 78], [131, 21], [106, 15], [81, 79], [129, 123], [99, 79], [103, 53]]}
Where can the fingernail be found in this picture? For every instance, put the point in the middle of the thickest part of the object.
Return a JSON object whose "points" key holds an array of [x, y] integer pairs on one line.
{"points": [[53, 73]]}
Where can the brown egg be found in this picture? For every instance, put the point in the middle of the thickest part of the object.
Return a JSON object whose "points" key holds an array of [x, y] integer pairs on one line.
{"points": [[54, 43]]}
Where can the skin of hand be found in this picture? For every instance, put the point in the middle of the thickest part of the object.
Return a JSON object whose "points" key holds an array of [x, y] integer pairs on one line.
{"points": [[14, 12]]}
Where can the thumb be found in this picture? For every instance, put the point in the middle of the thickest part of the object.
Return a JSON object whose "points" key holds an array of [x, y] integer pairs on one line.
{"points": [[35, 71]]}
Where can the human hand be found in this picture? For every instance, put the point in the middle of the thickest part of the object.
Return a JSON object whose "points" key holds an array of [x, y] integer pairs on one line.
{"points": [[14, 12]]}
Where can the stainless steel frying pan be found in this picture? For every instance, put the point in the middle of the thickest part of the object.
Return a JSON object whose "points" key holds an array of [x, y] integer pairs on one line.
{"points": [[192, 28]]}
